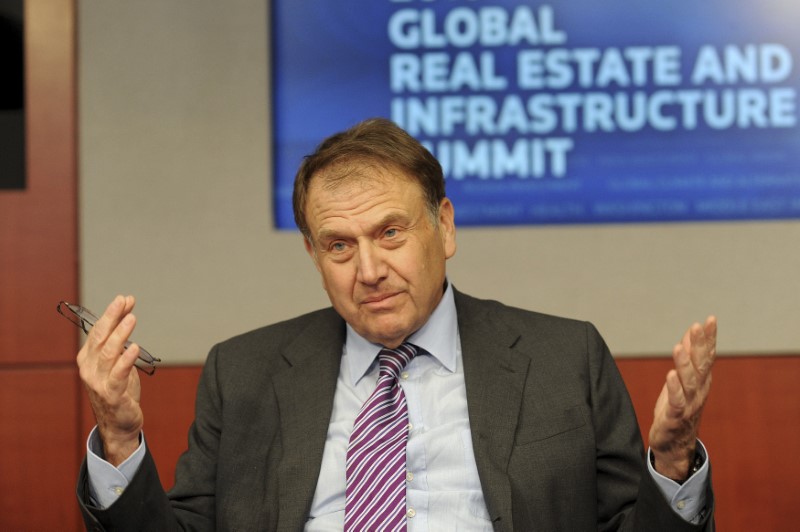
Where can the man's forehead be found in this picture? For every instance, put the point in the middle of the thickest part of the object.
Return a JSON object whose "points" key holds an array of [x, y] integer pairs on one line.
{"points": [[365, 197], [372, 199], [357, 172]]}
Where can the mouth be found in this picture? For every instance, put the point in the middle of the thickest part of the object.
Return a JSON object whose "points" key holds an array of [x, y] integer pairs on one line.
{"points": [[379, 300]]}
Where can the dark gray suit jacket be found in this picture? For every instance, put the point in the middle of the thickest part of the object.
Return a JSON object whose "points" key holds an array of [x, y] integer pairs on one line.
{"points": [[555, 437]]}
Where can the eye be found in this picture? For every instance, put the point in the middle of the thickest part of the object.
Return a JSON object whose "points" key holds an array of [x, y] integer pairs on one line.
{"points": [[390, 233], [339, 250]]}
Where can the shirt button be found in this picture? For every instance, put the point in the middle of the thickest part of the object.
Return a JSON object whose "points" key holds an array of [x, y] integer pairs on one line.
{"points": [[404, 375], [410, 427], [681, 505], [119, 490], [409, 476], [411, 512]]}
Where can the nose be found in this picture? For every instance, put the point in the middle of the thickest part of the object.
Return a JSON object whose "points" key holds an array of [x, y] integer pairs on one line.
{"points": [[372, 267]]}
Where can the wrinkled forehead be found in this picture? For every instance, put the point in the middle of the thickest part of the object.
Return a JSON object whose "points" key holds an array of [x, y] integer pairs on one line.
{"points": [[358, 172]]}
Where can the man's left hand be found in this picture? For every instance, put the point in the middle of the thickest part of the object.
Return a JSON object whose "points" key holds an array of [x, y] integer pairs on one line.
{"points": [[673, 436]]}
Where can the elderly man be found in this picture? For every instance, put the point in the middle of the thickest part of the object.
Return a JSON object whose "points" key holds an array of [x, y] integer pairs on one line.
{"points": [[408, 404]]}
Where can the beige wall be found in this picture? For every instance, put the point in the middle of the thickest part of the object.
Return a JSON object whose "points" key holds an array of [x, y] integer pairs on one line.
{"points": [[176, 209]]}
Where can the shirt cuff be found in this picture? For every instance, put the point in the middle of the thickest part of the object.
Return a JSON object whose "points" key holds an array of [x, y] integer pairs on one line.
{"points": [[106, 482], [688, 499]]}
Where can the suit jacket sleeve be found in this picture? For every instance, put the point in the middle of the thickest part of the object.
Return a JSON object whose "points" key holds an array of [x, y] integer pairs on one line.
{"points": [[617, 435]]}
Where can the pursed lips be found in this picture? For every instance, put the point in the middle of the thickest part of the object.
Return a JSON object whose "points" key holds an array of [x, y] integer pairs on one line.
{"points": [[378, 299]]}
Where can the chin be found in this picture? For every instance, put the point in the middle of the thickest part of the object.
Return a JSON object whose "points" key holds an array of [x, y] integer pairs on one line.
{"points": [[389, 336]]}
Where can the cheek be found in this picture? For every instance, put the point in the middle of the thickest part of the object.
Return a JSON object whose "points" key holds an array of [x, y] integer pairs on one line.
{"points": [[429, 258], [337, 279], [410, 267]]}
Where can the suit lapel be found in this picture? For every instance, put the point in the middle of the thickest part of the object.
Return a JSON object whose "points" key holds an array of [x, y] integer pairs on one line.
{"points": [[495, 377], [305, 394]]}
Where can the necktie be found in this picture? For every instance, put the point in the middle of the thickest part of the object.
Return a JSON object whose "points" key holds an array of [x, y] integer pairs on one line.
{"points": [[375, 493]]}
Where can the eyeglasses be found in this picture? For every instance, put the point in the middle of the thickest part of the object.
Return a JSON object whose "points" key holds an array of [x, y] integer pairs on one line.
{"points": [[85, 319]]}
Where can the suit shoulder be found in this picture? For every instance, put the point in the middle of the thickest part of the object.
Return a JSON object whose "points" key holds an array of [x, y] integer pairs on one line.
{"points": [[274, 337], [518, 316]]}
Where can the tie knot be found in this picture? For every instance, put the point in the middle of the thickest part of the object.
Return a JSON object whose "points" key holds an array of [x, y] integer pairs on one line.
{"points": [[392, 361]]}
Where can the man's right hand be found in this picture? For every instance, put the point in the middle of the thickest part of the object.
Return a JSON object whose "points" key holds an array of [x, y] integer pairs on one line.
{"points": [[107, 371]]}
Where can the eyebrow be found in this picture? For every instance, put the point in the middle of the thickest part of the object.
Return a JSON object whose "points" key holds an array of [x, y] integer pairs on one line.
{"points": [[389, 219]]}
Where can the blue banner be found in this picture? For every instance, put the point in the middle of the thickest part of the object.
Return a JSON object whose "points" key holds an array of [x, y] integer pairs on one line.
{"points": [[576, 112]]}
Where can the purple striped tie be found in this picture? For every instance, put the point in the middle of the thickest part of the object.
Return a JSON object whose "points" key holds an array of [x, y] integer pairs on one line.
{"points": [[375, 495]]}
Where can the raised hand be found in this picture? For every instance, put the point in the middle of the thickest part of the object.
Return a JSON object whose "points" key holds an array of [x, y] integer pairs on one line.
{"points": [[107, 370], [673, 435]]}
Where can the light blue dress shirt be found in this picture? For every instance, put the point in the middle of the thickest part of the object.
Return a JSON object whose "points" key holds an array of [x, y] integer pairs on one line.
{"points": [[443, 488]]}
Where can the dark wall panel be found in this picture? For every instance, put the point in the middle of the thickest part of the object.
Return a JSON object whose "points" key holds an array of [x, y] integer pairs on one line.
{"points": [[38, 225], [39, 390], [39, 459]]}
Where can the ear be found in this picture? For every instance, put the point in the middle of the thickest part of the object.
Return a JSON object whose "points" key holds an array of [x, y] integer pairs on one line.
{"points": [[447, 227], [311, 252]]}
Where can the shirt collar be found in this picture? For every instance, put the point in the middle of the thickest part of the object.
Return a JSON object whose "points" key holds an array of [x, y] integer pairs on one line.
{"points": [[439, 337]]}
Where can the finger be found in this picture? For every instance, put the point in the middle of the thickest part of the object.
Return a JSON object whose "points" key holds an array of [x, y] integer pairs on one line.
{"points": [[99, 333], [710, 332], [686, 373], [123, 366], [130, 302], [703, 347], [675, 395], [698, 347], [115, 344], [105, 356], [119, 307]]}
